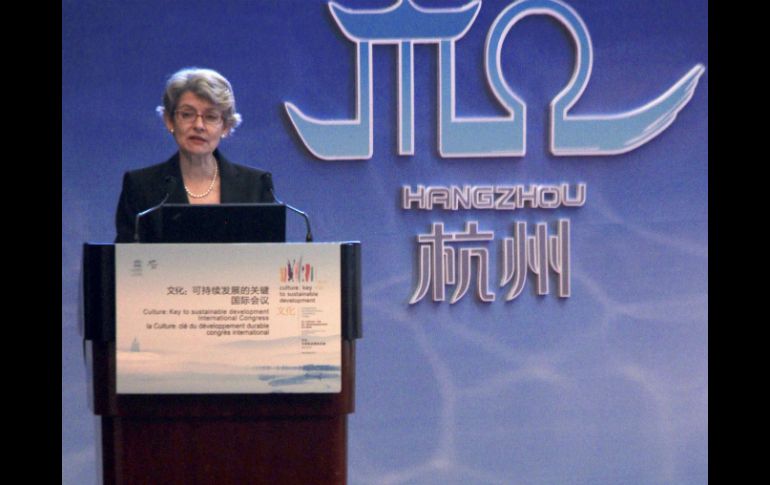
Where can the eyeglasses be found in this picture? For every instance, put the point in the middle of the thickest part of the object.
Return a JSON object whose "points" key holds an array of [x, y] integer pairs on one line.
{"points": [[211, 118]]}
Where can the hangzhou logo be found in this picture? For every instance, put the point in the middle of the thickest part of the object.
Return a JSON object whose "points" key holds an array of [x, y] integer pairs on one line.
{"points": [[451, 261], [406, 24]]}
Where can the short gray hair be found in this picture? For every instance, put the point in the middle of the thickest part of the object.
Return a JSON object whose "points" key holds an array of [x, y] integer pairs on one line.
{"points": [[205, 83]]}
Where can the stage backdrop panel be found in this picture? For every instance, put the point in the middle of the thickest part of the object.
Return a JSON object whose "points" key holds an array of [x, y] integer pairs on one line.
{"points": [[528, 180]]}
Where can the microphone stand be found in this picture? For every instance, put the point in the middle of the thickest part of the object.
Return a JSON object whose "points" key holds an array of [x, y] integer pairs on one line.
{"points": [[268, 178], [170, 186]]}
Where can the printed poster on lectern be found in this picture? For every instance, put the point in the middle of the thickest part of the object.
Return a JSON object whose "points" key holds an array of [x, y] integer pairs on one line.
{"points": [[227, 318]]}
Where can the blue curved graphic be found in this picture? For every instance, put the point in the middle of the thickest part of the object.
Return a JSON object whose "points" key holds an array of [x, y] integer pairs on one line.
{"points": [[584, 134], [405, 24], [476, 136], [404, 21], [622, 132], [341, 139]]}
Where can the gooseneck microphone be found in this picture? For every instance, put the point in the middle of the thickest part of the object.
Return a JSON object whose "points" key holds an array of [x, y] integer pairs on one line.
{"points": [[267, 179], [170, 183]]}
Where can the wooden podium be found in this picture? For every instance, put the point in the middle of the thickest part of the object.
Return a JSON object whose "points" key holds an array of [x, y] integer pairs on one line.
{"points": [[218, 439]]}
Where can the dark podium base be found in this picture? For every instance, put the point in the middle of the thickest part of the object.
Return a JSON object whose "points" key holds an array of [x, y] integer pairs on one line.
{"points": [[216, 451], [221, 439]]}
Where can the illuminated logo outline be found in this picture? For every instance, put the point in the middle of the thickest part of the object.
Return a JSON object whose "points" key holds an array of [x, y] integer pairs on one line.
{"points": [[406, 23]]}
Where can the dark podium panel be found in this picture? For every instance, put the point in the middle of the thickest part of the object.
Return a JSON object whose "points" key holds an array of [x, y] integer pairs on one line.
{"points": [[223, 223], [215, 439]]}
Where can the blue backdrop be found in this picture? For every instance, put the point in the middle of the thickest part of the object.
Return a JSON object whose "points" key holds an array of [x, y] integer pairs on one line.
{"points": [[607, 386]]}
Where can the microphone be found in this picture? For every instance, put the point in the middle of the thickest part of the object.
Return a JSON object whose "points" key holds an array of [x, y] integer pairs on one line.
{"points": [[267, 179], [170, 182]]}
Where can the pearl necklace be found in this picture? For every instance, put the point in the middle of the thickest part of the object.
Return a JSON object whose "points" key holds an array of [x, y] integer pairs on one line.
{"points": [[211, 187]]}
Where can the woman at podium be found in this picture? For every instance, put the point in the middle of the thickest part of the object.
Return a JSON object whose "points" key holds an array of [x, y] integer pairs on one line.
{"points": [[199, 112]]}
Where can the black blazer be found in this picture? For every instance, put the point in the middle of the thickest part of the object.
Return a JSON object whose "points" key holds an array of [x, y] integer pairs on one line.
{"points": [[146, 187]]}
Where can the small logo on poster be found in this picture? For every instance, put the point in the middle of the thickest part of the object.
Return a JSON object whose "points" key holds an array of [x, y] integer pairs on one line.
{"points": [[136, 268], [297, 272]]}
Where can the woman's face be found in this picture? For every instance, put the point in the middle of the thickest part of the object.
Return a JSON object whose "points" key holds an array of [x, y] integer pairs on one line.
{"points": [[197, 125]]}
